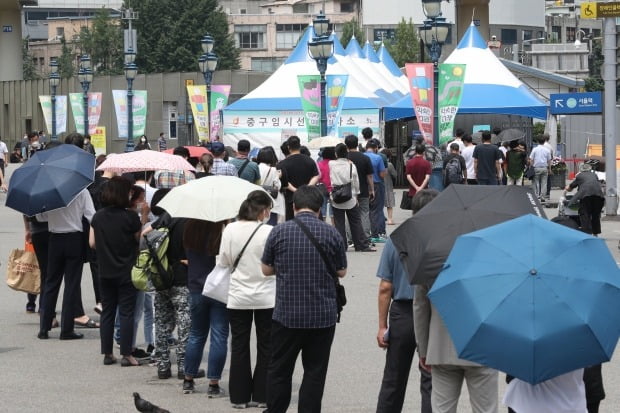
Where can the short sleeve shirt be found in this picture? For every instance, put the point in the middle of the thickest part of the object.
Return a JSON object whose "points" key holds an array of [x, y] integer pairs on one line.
{"points": [[391, 269], [364, 168], [486, 154], [305, 291], [377, 165], [250, 172], [418, 168]]}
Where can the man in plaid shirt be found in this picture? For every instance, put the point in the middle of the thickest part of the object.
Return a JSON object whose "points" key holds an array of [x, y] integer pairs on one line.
{"points": [[220, 167]]}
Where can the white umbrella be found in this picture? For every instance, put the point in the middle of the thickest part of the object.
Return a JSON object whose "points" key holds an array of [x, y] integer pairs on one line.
{"points": [[324, 142], [213, 198]]}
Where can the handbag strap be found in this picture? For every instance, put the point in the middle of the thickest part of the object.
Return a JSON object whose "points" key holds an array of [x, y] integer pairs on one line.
{"points": [[234, 267], [320, 249], [247, 161], [267, 176]]}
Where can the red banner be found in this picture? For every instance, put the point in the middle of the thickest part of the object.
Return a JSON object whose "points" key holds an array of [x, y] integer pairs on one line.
{"points": [[420, 76]]}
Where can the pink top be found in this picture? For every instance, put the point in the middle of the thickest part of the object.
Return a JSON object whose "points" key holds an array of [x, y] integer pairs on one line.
{"points": [[323, 166]]}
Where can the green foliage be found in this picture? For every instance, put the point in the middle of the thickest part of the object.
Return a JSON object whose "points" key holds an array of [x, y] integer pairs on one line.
{"points": [[350, 29], [28, 68], [405, 48], [65, 62], [538, 129], [594, 83], [103, 42], [169, 34]]}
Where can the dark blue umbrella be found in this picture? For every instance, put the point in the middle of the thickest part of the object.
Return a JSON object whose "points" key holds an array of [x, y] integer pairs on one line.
{"points": [[50, 179], [531, 298]]}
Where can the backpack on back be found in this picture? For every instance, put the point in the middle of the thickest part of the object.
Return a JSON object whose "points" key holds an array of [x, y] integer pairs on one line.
{"points": [[454, 173], [152, 271]]}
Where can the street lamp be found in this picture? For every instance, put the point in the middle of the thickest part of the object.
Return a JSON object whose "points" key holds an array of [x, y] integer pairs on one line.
{"points": [[85, 76], [208, 63], [434, 33], [131, 71], [321, 48], [54, 82]]}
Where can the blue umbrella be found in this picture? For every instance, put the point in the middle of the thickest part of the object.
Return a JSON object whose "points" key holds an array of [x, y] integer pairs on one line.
{"points": [[50, 179], [531, 298]]}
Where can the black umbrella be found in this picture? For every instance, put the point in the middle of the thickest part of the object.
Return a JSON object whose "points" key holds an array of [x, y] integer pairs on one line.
{"points": [[508, 135], [476, 138], [424, 241]]}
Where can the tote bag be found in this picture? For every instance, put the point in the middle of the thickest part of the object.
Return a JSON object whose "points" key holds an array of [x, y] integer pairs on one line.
{"points": [[23, 272], [217, 284]]}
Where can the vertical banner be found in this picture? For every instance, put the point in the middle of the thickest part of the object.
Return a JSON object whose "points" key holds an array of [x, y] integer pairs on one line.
{"points": [[310, 91], [94, 110], [420, 76], [335, 90], [61, 113], [198, 101], [98, 140], [450, 91], [139, 110], [219, 99]]}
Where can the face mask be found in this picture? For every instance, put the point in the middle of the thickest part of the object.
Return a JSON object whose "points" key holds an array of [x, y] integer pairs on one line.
{"points": [[142, 140]]}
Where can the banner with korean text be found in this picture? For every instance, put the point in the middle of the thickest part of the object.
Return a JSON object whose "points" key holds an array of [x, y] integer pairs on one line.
{"points": [[310, 92], [420, 77], [198, 101], [98, 140], [450, 91], [336, 88], [61, 113], [94, 110], [219, 99], [139, 110]]}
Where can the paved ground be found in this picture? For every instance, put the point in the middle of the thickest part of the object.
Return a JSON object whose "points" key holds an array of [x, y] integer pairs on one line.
{"points": [[68, 376]]}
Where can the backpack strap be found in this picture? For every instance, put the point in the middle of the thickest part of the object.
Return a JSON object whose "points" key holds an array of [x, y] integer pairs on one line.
{"points": [[234, 267]]}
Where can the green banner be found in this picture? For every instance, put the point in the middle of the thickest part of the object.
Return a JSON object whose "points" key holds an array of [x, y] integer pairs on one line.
{"points": [[310, 91], [450, 91]]}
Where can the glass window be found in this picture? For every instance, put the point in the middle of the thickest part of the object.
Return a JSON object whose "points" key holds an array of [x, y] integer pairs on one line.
{"points": [[556, 33], [509, 36], [346, 8], [570, 34], [384, 34], [300, 8], [287, 35], [267, 64], [250, 36], [527, 35]]}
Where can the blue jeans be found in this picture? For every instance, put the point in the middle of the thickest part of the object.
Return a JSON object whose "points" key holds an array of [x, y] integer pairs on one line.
{"points": [[207, 315], [377, 219], [149, 337], [436, 181], [326, 207]]}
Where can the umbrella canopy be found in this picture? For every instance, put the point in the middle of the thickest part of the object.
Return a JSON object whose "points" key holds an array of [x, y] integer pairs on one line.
{"points": [[50, 179], [510, 135], [213, 198], [476, 138], [194, 151], [530, 297], [324, 142], [425, 240], [145, 160]]}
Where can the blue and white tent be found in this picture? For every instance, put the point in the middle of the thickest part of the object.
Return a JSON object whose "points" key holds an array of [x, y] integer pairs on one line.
{"points": [[489, 88]]}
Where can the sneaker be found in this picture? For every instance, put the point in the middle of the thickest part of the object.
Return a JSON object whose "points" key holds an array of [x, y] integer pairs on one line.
{"points": [[239, 405], [378, 240], [216, 391], [188, 386], [349, 244], [31, 308], [150, 349], [164, 373], [140, 354]]}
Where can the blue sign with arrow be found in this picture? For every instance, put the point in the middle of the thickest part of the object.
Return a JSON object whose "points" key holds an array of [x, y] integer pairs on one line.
{"points": [[576, 103]]}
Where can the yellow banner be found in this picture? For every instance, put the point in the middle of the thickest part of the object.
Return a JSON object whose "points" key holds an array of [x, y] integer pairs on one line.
{"points": [[198, 101], [98, 140]]}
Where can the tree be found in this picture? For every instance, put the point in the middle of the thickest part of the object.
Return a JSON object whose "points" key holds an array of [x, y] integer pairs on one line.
{"points": [[169, 34], [594, 83], [103, 42], [350, 29], [405, 47], [28, 68], [66, 69]]}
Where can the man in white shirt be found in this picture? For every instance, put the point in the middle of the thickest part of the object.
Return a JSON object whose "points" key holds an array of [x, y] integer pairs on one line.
{"points": [[550, 149], [458, 139], [540, 159], [468, 154], [4, 157]]}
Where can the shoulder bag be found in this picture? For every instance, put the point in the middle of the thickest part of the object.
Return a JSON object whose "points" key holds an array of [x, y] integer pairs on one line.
{"points": [[240, 171], [271, 189], [341, 297], [218, 281], [343, 193]]}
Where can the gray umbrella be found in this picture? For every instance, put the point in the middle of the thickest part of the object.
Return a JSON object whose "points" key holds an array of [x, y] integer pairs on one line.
{"points": [[477, 138], [511, 135]]}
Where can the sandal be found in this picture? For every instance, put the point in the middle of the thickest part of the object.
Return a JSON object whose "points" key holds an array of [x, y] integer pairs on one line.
{"points": [[89, 324]]}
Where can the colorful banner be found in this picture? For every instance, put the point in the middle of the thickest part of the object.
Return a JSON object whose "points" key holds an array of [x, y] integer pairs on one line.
{"points": [[310, 91], [420, 76], [198, 101], [139, 110], [98, 140], [219, 99], [335, 90], [94, 110], [450, 91], [61, 113]]}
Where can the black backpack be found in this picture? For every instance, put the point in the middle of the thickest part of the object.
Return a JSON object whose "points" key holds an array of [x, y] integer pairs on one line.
{"points": [[454, 172]]}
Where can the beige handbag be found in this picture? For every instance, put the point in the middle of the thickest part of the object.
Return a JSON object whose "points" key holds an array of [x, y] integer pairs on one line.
{"points": [[23, 272]]}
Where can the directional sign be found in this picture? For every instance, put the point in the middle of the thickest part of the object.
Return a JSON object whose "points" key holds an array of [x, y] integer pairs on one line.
{"points": [[595, 10], [576, 103]]}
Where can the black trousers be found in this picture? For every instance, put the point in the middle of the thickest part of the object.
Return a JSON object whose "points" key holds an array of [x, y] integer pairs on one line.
{"points": [[117, 293], [94, 271], [398, 360], [472, 182], [40, 242], [65, 260], [590, 214], [243, 386], [355, 223], [286, 344]]}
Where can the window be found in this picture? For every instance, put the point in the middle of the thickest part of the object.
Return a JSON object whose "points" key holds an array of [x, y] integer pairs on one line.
{"points": [[42, 61], [250, 36], [267, 64], [527, 35], [300, 8], [347, 7], [287, 35], [556, 33], [509, 36], [384, 34], [570, 34], [60, 31]]}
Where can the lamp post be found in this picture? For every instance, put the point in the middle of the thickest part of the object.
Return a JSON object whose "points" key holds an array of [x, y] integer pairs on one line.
{"points": [[85, 76], [434, 33], [321, 48], [131, 70], [208, 63], [54, 82]]}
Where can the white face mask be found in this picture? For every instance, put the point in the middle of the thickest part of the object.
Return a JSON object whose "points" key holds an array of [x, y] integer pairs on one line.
{"points": [[142, 140]]}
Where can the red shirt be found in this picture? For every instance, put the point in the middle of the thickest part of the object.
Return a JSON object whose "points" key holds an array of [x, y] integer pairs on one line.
{"points": [[418, 168], [323, 166]]}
